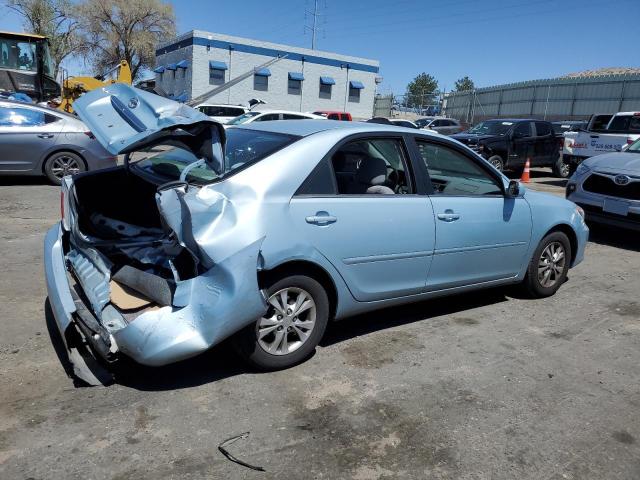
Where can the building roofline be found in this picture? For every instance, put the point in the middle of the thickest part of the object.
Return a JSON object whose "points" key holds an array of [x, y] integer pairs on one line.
{"points": [[216, 40]]}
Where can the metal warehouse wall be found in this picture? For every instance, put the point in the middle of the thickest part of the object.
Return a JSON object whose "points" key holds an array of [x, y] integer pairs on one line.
{"points": [[550, 99]]}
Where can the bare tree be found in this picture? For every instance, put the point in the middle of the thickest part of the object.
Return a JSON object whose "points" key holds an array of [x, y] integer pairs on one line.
{"points": [[115, 30], [53, 19]]}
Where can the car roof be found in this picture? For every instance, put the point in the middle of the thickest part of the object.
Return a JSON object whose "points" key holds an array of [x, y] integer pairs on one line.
{"points": [[282, 111], [304, 128], [513, 120], [220, 105]]}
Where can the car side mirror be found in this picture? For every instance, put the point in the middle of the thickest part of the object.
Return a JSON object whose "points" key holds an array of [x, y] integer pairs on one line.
{"points": [[513, 190]]}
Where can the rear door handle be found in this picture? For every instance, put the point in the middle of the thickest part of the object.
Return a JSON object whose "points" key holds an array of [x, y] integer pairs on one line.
{"points": [[45, 135], [448, 216], [321, 218]]}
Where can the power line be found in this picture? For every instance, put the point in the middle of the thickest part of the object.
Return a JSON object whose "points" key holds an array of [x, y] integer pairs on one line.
{"points": [[314, 28]]}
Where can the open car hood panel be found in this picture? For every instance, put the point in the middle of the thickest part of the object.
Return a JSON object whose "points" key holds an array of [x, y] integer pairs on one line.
{"points": [[124, 119]]}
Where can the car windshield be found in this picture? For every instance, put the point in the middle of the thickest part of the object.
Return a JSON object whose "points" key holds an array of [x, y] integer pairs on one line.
{"points": [[174, 160], [494, 127], [240, 119]]}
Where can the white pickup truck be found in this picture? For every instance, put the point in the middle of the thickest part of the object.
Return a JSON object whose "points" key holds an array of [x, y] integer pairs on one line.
{"points": [[622, 130]]}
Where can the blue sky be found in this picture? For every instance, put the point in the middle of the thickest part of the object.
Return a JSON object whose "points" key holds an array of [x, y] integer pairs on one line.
{"points": [[492, 41]]}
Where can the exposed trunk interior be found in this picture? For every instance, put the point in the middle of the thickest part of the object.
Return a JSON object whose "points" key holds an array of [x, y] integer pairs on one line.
{"points": [[117, 210]]}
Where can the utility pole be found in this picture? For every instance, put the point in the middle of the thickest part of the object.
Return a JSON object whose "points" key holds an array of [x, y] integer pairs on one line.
{"points": [[314, 26]]}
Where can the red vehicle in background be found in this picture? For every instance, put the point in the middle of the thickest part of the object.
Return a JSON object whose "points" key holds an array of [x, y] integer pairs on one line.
{"points": [[331, 115]]}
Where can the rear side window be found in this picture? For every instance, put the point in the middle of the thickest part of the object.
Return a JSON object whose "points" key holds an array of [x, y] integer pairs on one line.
{"points": [[542, 129], [522, 130], [625, 124], [24, 117], [319, 182], [290, 116]]}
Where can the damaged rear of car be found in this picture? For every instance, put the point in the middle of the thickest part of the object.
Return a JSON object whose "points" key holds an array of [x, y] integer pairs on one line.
{"points": [[151, 257]]}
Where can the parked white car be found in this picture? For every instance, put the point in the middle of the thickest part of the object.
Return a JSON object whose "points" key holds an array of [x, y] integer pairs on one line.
{"points": [[221, 113], [623, 129], [268, 115], [446, 126]]}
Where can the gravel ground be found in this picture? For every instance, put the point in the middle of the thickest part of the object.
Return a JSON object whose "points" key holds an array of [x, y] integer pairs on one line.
{"points": [[478, 386]]}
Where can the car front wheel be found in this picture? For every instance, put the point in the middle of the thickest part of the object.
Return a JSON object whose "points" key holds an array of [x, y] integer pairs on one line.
{"points": [[562, 169], [549, 265], [291, 328]]}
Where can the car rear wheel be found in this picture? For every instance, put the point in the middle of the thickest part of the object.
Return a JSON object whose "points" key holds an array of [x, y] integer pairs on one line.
{"points": [[497, 162], [562, 169], [549, 266], [61, 164], [295, 321]]}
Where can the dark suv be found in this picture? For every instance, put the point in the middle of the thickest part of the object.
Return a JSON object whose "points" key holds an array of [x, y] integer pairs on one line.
{"points": [[507, 143]]}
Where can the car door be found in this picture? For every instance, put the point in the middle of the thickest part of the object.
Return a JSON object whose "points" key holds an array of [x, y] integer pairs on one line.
{"points": [[522, 143], [481, 235], [26, 134], [380, 238]]}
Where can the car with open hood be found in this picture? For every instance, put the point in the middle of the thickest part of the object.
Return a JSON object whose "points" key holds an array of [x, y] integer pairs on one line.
{"points": [[265, 232]]}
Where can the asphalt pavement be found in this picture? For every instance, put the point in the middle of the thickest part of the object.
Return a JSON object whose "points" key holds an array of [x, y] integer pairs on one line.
{"points": [[478, 386]]}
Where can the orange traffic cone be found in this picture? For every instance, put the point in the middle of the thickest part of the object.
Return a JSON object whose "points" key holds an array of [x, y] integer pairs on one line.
{"points": [[525, 173]]}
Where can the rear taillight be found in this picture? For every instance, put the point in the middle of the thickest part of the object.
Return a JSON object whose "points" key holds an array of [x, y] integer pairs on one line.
{"points": [[630, 141], [90, 135]]}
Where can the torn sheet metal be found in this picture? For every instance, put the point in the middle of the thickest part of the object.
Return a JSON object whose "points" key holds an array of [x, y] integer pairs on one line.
{"points": [[206, 310]]}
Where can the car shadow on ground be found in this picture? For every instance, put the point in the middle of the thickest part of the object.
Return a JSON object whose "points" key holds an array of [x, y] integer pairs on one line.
{"points": [[222, 361], [614, 237], [14, 180]]}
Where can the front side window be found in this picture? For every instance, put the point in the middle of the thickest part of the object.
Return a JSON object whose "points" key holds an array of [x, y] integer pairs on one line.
{"points": [[453, 173], [168, 160], [542, 129], [267, 117], [522, 130], [24, 117], [216, 76], [371, 167]]}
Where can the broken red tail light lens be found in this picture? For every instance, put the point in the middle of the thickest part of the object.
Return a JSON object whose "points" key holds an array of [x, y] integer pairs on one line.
{"points": [[90, 135], [62, 205]]}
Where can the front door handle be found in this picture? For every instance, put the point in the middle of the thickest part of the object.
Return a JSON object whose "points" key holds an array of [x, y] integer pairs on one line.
{"points": [[321, 218], [45, 135], [448, 216]]}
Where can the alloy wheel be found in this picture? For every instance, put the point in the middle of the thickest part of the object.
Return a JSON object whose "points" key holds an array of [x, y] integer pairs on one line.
{"points": [[551, 264], [64, 165], [288, 322]]}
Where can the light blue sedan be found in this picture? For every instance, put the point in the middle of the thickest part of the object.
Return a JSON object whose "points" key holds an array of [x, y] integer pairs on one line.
{"points": [[265, 233]]}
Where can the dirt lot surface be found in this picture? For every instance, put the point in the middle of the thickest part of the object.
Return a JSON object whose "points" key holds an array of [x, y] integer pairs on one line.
{"points": [[480, 386]]}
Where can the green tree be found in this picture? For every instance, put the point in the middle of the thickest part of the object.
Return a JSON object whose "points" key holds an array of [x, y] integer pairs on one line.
{"points": [[54, 20], [115, 30], [464, 83], [421, 90]]}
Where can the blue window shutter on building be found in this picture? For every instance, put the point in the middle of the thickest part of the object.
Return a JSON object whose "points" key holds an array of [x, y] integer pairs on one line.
{"points": [[327, 81], [218, 65], [296, 76], [263, 72], [356, 84], [182, 64]]}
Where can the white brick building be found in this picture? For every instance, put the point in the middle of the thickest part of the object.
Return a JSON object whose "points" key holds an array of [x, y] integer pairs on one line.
{"points": [[303, 80]]}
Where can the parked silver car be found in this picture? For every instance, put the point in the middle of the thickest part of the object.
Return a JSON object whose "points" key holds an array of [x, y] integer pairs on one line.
{"points": [[36, 140], [607, 187], [445, 126]]}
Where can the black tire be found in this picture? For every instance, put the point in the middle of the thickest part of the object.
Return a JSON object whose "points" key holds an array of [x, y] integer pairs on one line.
{"points": [[60, 164], [532, 282], [562, 169], [497, 162], [254, 353]]}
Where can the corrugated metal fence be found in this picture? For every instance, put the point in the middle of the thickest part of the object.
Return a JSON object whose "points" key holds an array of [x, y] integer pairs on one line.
{"points": [[551, 99]]}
